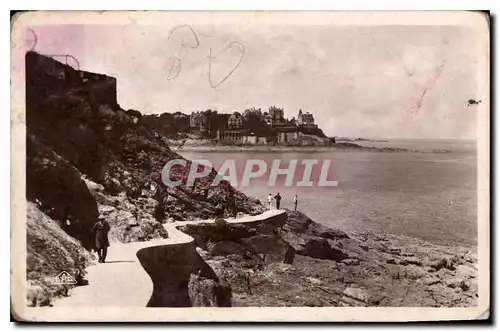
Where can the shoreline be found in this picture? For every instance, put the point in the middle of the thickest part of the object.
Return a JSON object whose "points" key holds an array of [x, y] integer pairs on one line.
{"points": [[283, 148]]}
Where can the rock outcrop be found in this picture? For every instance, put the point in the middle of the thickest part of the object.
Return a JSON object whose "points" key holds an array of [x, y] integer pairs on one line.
{"points": [[50, 251], [302, 263], [86, 155], [59, 191], [75, 115]]}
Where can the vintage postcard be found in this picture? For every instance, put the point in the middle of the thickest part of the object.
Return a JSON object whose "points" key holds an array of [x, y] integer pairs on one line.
{"points": [[250, 166]]}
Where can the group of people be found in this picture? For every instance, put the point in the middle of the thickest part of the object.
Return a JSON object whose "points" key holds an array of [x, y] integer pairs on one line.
{"points": [[275, 201]]}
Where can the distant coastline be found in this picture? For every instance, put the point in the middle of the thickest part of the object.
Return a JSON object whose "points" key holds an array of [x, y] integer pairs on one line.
{"points": [[359, 139], [340, 146]]}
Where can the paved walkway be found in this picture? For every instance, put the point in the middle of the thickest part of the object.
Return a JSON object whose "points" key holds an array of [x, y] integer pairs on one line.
{"points": [[122, 281]]}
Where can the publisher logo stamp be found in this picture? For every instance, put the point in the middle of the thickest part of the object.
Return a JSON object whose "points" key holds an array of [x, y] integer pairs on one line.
{"points": [[64, 278]]}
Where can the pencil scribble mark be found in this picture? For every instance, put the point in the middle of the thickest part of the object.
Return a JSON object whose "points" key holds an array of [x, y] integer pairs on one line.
{"points": [[53, 56], [409, 73], [188, 28], [415, 109], [225, 49], [173, 66], [66, 57], [35, 39]]}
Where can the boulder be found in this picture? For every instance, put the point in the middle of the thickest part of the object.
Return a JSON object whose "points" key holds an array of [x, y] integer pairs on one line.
{"points": [[465, 271], [205, 292], [414, 272], [431, 280], [314, 281], [220, 231], [351, 261], [443, 263], [410, 260], [457, 283], [299, 223], [357, 294], [365, 247], [266, 244], [327, 233], [226, 248], [393, 250], [317, 247]]}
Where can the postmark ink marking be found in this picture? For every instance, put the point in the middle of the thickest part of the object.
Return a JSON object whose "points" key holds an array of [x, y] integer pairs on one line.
{"points": [[415, 110]]}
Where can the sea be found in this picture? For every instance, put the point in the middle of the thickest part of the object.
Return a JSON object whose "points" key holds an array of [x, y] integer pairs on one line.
{"points": [[427, 193]]}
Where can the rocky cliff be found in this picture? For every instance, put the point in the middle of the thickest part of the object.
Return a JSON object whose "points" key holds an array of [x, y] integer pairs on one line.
{"points": [[86, 155]]}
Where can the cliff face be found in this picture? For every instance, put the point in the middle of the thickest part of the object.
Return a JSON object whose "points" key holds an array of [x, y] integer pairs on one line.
{"points": [[86, 155], [73, 116]]}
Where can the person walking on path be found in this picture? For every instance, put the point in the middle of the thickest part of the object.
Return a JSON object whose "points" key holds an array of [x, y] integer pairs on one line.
{"points": [[295, 202], [270, 201], [100, 230], [278, 200]]}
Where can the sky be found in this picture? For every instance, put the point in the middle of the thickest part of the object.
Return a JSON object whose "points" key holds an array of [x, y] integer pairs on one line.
{"points": [[358, 81]]}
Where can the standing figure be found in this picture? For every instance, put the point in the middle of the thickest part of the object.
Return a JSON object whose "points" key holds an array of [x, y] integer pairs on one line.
{"points": [[233, 210], [270, 201], [100, 230], [278, 200], [295, 202]]}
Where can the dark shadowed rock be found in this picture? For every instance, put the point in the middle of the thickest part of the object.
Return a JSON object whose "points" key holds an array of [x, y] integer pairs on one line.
{"points": [[217, 232], [205, 292], [289, 255], [266, 244], [431, 280], [317, 247], [444, 263], [301, 224], [298, 222], [59, 190], [226, 248], [410, 261], [327, 233]]}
